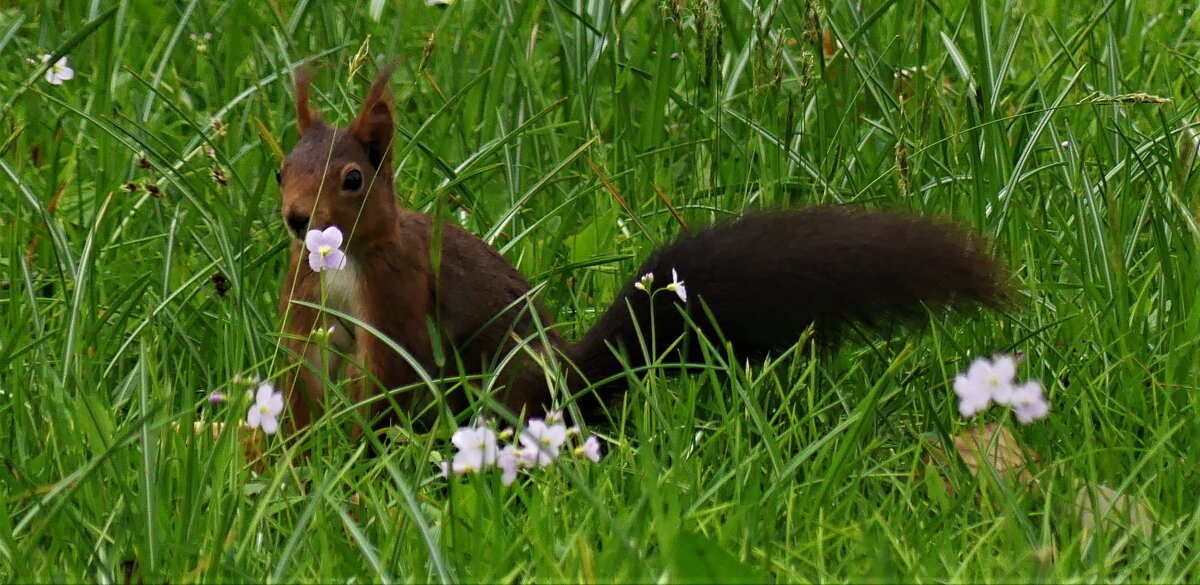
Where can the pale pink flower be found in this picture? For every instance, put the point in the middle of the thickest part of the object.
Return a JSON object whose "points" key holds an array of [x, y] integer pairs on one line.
{"points": [[445, 468], [1028, 403], [324, 249], [677, 287], [591, 448], [264, 413], [476, 449], [983, 382], [547, 440], [59, 72], [508, 460]]}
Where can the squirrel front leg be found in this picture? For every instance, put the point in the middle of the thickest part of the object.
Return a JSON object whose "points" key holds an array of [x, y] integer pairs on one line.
{"points": [[315, 360], [301, 384], [400, 314]]}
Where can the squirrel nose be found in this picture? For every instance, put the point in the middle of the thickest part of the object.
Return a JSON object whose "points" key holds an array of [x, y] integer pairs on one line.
{"points": [[298, 223]]}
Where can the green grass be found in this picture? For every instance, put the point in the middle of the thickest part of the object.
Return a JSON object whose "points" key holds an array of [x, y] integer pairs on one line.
{"points": [[532, 117]]}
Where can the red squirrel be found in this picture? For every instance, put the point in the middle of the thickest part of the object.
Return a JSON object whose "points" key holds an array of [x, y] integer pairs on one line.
{"points": [[764, 278]]}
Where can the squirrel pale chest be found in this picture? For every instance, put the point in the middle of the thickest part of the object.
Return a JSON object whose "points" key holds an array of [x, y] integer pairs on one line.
{"points": [[342, 295]]}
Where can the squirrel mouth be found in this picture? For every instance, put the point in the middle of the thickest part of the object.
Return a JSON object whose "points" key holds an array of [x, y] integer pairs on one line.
{"points": [[297, 224]]}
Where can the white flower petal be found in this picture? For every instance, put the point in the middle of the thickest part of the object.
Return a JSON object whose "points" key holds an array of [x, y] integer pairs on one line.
{"points": [[270, 425], [534, 430], [62, 70], [336, 260], [1027, 393], [254, 417], [540, 446], [508, 460], [528, 456], [677, 287], [1028, 402], [1036, 410], [1003, 394], [970, 406], [1004, 368], [979, 369], [556, 435], [332, 237], [275, 404], [313, 240], [962, 386], [591, 448], [467, 462], [464, 437], [263, 395], [315, 261], [508, 475]]}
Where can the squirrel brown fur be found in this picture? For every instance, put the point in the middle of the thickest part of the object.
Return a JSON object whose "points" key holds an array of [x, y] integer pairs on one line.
{"points": [[758, 282]]}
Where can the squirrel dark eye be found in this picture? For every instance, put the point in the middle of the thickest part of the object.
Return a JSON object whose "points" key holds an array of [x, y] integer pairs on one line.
{"points": [[353, 180], [278, 177]]}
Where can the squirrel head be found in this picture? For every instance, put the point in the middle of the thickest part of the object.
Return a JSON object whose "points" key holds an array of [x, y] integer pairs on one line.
{"points": [[342, 176]]}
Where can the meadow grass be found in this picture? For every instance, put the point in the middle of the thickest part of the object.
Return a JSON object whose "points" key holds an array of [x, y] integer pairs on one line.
{"points": [[574, 136]]}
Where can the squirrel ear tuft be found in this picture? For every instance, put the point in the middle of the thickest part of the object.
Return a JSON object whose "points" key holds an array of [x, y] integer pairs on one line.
{"points": [[374, 125], [305, 116]]}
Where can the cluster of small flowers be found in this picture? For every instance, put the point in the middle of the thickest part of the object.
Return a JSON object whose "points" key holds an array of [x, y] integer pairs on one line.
{"points": [[646, 282], [201, 41], [268, 404], [994, 380], [540, 444]]}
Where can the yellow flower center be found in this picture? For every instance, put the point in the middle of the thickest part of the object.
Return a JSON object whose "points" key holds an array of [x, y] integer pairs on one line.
{"points": [[264, 410], [325, 250]]}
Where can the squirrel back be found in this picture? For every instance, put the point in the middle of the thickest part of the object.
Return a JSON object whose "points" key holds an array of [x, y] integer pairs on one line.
{"points": [[758, 282]]}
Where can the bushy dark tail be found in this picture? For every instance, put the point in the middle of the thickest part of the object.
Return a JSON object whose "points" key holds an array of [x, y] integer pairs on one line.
{"points": [[767, 276]]}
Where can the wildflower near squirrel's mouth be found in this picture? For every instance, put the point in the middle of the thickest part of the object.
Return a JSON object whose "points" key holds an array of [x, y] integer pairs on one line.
{"points": [[324, 249]]}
